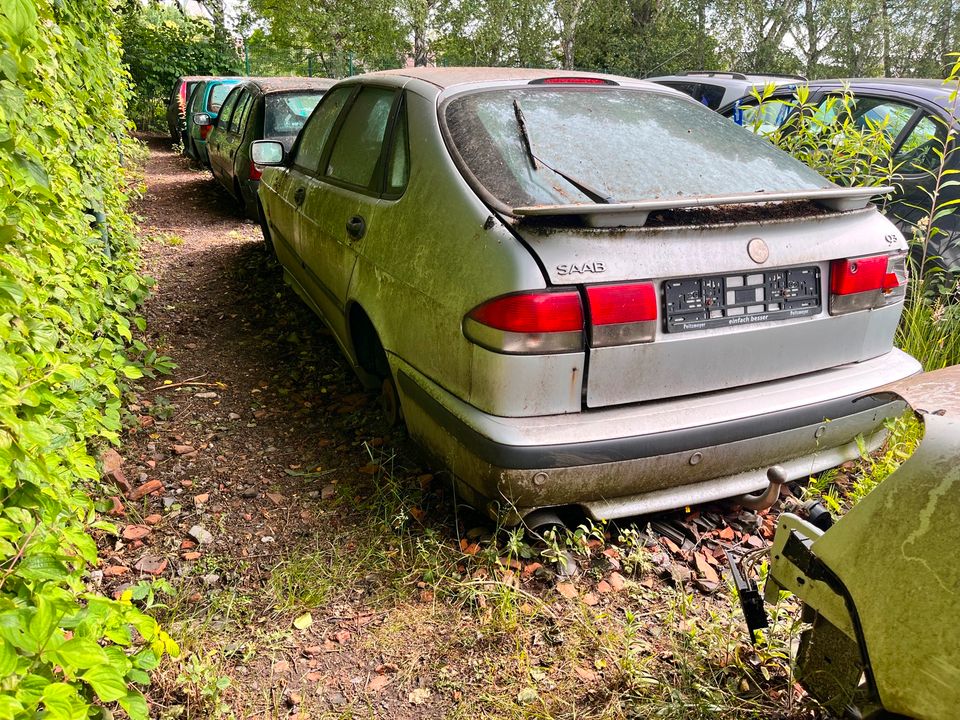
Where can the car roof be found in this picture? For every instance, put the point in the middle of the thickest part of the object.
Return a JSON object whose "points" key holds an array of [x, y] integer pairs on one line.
{"points": [[447, 77], [267, 85], [727, 75], [932, 90]]}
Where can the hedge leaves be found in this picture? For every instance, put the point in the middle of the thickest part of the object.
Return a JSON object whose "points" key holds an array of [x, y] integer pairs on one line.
{"points": [[68, 288]]}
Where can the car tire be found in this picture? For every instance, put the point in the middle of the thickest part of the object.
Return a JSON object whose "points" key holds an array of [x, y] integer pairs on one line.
{"points": [[389, 402], [265, 229]]}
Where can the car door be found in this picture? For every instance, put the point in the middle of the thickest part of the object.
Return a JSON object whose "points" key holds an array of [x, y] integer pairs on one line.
{"points": [[242, 118], [219, 137], [288, 189], [340, 202]]}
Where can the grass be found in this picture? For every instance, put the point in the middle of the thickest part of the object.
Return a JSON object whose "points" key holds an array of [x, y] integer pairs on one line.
{"points": [[930, 330]]}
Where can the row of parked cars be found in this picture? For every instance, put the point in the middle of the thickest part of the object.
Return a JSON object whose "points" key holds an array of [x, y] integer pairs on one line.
{"points": [[574, 289]]}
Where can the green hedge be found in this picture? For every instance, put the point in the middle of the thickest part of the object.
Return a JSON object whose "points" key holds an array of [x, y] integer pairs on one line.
{"points": [[68, 286]]}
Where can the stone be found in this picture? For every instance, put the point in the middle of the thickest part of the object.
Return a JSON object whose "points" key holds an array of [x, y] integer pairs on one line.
{"points": [[148, 487], [328, 492], [154, 519], [617, 581], [183, 449], [115, 571], [116, 509], [567, 590], [192, 555], [110, 461], [200, 534], [135, 532], [206, 395], [151, 565]]}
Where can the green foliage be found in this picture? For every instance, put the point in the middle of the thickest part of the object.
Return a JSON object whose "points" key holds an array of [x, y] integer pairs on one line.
{"points": [[159, 45], [641, 38], [67, 291], [826, 137]]}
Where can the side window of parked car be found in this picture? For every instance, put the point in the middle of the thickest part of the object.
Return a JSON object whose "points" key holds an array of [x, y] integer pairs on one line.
{"points": [[398, 161], [196, 98], [317, 130], [226, 112], [240, 116], [357, 148], [917, 152], [869, 112]]}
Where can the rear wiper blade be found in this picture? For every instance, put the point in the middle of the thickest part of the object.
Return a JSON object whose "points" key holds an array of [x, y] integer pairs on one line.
{"points": [[535, 161]]}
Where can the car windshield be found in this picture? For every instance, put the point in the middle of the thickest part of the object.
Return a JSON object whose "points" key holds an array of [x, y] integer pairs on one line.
{"points": [[550, 146], [286, 113], [217, 95]]}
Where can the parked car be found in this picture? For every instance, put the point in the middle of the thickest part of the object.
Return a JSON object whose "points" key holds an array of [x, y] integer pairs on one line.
{"points": [[715, 88], [204, 105], [915, 113], [588, 290], [258, 109], [177, 105]]}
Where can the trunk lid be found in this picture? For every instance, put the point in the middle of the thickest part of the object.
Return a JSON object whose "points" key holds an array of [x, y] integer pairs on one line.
{"points": [[792, 244]]}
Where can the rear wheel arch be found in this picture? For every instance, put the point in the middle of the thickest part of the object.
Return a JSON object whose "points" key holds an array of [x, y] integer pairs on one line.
{"points": [[365, 343]]}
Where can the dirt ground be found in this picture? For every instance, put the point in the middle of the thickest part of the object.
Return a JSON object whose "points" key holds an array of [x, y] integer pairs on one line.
{"points": [[311, 566]]}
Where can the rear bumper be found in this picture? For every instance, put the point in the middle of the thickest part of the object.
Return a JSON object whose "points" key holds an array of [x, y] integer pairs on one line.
{"points": [[660, 455]]}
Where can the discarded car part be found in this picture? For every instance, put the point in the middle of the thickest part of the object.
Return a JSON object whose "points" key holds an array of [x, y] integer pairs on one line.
{"points": [[777, 477], [881, 584], [750, 599]]}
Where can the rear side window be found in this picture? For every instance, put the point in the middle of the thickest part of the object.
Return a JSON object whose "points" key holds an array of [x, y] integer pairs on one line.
{"points": [[398, 161], [240, 116], [918, 152], [318, 129], [217, 95], [550, 146], [196, 98], [359, 143], [226, 112], [285, 114]]}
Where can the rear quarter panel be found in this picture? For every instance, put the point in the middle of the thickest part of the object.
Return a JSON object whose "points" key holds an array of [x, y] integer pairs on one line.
{"points": [[417, 281]]}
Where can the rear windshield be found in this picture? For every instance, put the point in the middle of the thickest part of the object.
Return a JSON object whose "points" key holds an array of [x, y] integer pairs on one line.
{"points": [[611, 145], [285, 114], [217, 95]]}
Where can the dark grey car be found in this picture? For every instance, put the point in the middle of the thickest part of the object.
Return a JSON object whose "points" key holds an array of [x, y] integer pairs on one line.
{"points": [[916, 113], [258, 109]]}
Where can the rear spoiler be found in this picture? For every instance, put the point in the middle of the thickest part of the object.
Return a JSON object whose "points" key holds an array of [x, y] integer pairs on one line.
{"points": [[634, 214]]}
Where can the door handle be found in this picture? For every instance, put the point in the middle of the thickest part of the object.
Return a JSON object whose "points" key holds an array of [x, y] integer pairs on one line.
{"points": [[299, 195], [356, 227]]}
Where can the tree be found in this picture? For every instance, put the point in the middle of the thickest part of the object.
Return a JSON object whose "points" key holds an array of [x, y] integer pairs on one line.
{"points": [[160, 44]]}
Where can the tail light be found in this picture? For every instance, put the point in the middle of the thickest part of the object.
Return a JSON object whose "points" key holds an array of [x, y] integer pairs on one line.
{"points": [[255, 173], [867, 283], [205, 130], [621, 314], [529, 322]]}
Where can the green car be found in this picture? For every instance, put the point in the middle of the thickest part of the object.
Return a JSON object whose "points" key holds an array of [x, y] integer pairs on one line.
{"points": [[202, 111]]}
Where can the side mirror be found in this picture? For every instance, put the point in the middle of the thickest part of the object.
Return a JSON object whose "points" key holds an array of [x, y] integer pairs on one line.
{"points": [[202, 119], [266, 152]]}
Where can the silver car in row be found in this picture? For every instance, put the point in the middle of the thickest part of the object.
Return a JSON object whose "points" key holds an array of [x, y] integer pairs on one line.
{"points": [[588, 290]]}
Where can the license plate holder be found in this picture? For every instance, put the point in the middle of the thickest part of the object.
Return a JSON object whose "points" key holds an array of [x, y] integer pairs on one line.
{"points": [[740, 298]]}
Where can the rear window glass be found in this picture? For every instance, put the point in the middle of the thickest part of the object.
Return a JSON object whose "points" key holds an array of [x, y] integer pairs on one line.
{"points": [[613, 145], [286, 114], [217, 95]]}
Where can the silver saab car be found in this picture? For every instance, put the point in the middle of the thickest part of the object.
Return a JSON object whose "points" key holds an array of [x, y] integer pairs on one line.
{"points": [[587, 290]]}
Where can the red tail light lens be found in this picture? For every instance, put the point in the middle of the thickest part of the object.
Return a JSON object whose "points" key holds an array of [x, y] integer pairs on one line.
{"points": [[532, 322], [867, 282], [621, 314], [255, 173], [204, 131], [858, 275]]}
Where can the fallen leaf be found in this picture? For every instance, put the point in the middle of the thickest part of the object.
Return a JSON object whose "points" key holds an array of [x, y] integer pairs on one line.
{"points": [[302, 622], [419, 696], [585, 674], [378, 683]]}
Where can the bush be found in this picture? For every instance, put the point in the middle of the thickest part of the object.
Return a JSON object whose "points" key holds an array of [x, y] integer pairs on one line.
{"points": [[68, 286]]}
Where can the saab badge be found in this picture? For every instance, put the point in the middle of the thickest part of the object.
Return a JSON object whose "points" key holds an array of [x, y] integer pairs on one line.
{"points": [[758, 251]]}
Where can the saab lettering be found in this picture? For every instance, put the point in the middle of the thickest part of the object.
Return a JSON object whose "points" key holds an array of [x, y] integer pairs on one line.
{"points": [[594, 267]]}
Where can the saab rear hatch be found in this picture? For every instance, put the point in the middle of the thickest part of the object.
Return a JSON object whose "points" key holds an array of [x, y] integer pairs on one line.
{"points": [[702, 258]]}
